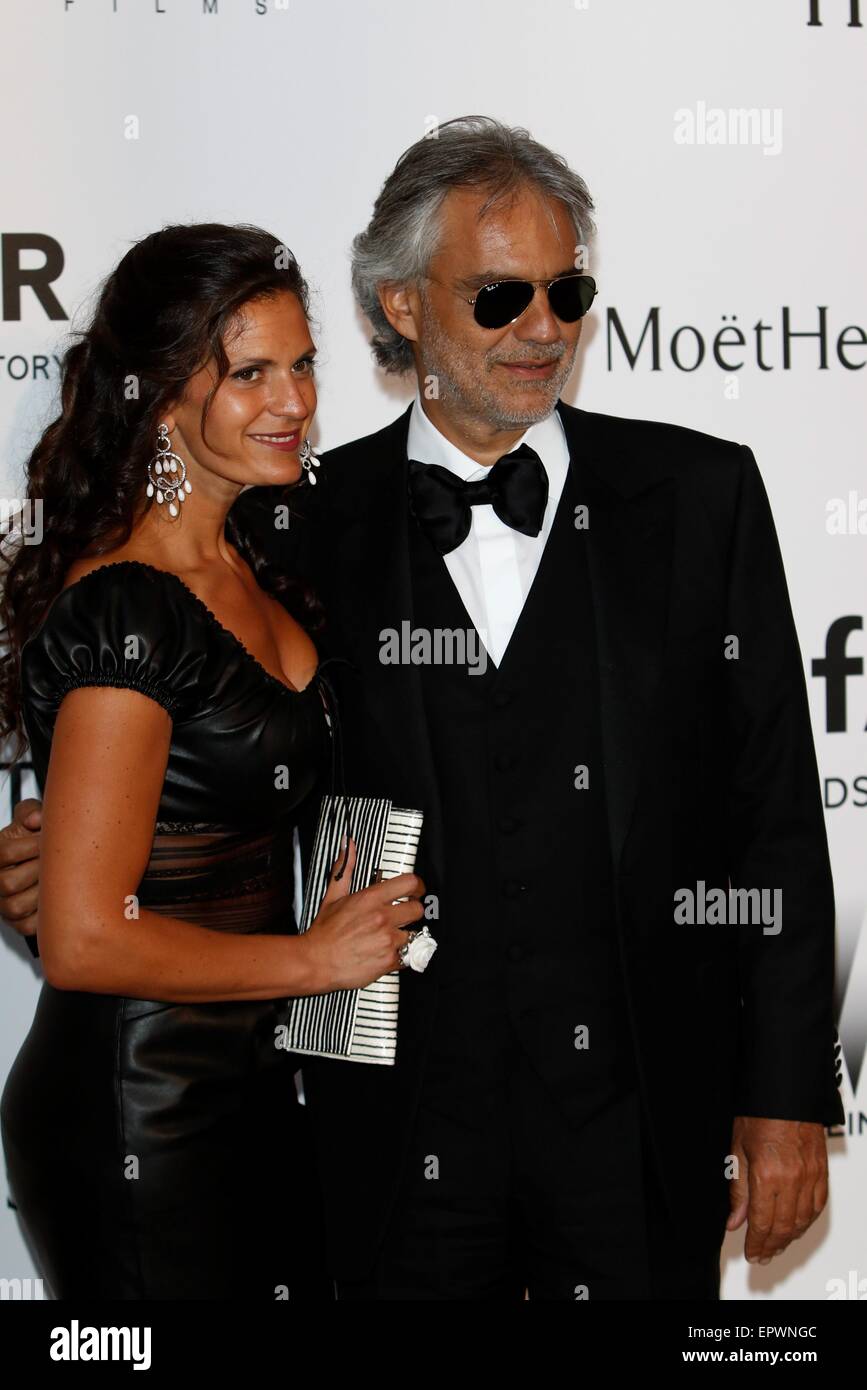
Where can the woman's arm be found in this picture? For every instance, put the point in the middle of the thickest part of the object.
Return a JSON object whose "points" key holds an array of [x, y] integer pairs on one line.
{"points": [[102, 791]]}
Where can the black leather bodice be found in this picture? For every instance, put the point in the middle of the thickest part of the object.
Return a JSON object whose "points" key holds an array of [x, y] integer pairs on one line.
{"points": [[246, 749]]}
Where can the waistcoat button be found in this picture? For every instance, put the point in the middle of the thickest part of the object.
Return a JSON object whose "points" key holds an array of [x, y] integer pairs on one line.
{"points": [[513, 889]]}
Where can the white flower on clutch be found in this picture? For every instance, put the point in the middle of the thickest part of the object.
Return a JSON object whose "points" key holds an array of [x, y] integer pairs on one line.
{"points": [[420, 949]]}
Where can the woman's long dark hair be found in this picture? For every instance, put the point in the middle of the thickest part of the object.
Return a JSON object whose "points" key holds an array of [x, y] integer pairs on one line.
{"points": [[160, 317]]}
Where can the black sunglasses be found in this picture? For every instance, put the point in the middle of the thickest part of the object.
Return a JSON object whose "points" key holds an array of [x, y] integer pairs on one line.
{"points": [[504, 301]]}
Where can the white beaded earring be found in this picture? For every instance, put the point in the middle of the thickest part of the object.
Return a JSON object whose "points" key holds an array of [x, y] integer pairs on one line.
{"points": [[167, 473], [309, 461]]}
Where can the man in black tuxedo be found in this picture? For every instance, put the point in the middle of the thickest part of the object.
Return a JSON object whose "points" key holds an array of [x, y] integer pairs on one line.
{"points": [[569, 642], [588, 1087]]}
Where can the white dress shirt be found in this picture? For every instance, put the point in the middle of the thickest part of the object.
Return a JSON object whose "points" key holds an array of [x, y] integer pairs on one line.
{"points": [[494, 567]]}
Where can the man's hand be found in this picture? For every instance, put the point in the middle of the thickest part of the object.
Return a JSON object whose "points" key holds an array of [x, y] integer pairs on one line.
{"points": [[19, 867], [782, 1182]]}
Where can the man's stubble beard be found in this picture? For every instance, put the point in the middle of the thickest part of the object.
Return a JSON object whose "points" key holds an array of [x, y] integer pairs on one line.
{"points": [[466, 394]]}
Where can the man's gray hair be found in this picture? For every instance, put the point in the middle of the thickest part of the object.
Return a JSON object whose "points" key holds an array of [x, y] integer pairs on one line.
{"points": [[402, 235]]}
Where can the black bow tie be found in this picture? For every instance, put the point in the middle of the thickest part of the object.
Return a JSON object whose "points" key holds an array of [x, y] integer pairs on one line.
{"points": [[516, 487]]}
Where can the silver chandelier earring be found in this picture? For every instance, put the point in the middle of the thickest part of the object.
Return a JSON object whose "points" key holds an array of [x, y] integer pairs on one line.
{"points": [[309, 461], [167, 473]]}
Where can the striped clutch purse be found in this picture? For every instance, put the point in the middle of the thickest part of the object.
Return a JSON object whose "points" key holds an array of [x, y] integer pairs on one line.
{"points": [[357, 1025]]}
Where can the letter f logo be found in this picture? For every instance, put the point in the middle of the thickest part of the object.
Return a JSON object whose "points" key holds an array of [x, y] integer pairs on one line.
{"points": [[835, 666]]}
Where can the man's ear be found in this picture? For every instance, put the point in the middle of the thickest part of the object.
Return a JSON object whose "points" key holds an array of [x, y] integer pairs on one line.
{"points": [[402, 307]]}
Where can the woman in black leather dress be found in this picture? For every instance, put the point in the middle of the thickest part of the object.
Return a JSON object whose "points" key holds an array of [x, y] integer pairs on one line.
{"points": [[154, 1141]]}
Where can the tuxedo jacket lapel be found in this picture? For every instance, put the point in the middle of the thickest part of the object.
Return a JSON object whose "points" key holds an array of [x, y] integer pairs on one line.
{"points": [[630, 531], [376, 594]]}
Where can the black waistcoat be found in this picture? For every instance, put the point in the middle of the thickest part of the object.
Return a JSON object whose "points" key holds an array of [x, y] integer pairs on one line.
{"points": [[529, 954]]}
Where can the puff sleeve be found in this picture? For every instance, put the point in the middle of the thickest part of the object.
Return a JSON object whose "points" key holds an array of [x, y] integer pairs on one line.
{"points": [[123, 624]]}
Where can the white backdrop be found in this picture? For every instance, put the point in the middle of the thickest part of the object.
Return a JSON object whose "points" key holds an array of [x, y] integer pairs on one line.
{"points": [[721, 142]]}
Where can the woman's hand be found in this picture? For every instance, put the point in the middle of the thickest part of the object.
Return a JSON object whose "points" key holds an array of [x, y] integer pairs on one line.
{"points": [[19, 867], [354, 937]]}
